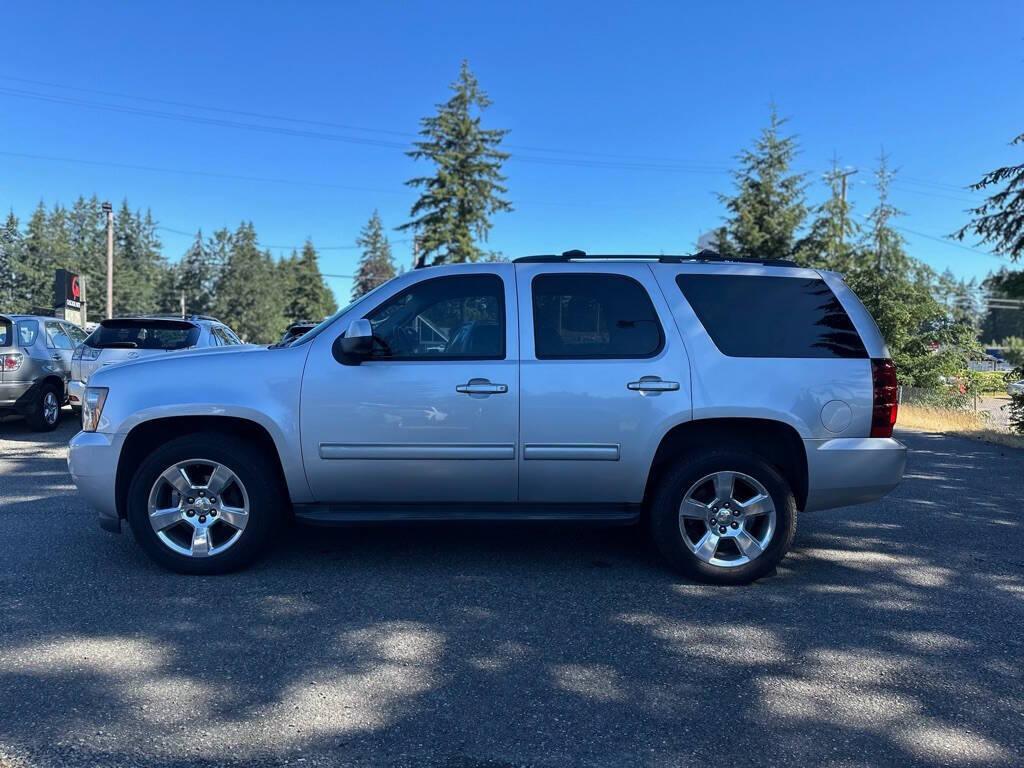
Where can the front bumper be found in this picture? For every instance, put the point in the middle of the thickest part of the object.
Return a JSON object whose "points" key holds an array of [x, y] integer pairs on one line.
{"points": [[76, 392], [92, 461], [852, 470]]}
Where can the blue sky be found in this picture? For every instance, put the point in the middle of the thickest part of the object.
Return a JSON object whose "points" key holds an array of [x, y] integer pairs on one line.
{"points": [[624, 120]]}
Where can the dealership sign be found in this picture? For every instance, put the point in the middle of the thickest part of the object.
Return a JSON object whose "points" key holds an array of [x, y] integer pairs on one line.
{"points": [[67, 290]]}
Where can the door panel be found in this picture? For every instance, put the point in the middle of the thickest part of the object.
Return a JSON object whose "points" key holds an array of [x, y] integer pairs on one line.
{"points": [[590, 424], [435, 422]]}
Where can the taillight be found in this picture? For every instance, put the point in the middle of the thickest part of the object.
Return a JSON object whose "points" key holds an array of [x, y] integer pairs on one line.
{"points": [[11, 362], [886, 402]]}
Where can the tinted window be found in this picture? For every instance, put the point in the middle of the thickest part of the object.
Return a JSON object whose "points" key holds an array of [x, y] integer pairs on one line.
{"points": [[57, 337], [758, 316], [223, 337], [462, 316], [144, 334], [593, 316], [6, 332]]}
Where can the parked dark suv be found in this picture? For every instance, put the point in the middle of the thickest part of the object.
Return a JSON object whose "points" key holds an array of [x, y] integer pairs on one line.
{"points": [[35, 363]]}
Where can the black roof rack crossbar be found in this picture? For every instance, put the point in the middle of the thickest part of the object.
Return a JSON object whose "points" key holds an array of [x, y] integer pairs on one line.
{"points": [[704, 256]]}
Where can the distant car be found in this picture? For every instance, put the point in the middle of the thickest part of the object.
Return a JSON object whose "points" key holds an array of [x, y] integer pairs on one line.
{"points": [[35, 363], [1016, 388], [295, 331], [121, 339]]}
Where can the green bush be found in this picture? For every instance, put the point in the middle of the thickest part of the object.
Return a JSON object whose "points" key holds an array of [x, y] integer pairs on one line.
{"points": [[991, 381]]}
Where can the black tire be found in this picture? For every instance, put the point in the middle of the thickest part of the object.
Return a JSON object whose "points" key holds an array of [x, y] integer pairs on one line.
{"points": [[664, 516], [267, 501], [37, 418]]}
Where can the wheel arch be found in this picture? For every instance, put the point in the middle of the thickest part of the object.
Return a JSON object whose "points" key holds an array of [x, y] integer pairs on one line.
{"points": [[147, 435], [776, 442]]}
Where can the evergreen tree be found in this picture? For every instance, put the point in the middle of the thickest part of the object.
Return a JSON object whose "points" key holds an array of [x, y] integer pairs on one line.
{"points": [[198, 274], [249, 298], [87, 235], [456, 204], [899, 291], [376, 264], [33, 290], [10, 256], [768, 208], [308, 296], [999, 323], [999, 221], [830, 242]]}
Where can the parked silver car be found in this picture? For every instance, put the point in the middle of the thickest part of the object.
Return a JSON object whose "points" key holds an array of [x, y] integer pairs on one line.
{"points": [[121, 339], [715, 399], [35, 362]]}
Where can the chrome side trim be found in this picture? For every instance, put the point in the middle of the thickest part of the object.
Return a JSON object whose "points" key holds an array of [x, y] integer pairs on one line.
{"points": [[428, 451], [571, 451]]}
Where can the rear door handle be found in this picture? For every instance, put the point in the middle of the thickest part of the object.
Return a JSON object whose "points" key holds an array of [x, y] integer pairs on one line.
{"points": [[481, 387], [652, 384]]}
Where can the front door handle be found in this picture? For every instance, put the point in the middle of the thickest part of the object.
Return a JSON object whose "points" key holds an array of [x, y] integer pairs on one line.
{"points": [[652, 385], [481, 387]]}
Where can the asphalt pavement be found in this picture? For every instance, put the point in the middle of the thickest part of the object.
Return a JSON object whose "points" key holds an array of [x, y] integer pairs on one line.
{"points": [[891, 635]]}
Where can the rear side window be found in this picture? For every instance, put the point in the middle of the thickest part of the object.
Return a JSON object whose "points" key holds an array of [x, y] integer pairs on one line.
{"points": [[597, 316], [28, 331], [167, 335], [762, 316], [6, 333]]}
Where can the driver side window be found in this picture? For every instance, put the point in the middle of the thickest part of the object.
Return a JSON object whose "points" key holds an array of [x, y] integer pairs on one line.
{"points": [[456, 317]]}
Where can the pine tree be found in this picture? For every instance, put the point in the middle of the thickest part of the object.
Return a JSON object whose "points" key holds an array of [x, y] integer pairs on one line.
{"points": [[248, 294], [198, 274], [456, 204], [308, 297], [87, 235], [376, 264], [881, 240], [768, 208], [35, 271], [999, 221], [830, 242], [10, 255]]}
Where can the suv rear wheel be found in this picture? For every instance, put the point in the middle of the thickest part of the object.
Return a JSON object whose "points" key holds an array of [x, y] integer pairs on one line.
{"points": [[723, 517], [205, 504], [45, 415]]}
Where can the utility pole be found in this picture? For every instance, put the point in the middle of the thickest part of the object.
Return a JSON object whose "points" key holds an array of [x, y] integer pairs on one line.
{"points": [[183, 305], [416, 263], [109, 210], [85, 306]]}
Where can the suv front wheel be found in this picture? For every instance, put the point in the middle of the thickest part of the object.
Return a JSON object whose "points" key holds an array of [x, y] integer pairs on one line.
{"points": [[725, 517], [204, 504]]}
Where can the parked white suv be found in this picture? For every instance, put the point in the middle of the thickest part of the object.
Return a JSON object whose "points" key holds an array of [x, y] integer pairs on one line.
{"points": [[120, 339], [714, 398]]}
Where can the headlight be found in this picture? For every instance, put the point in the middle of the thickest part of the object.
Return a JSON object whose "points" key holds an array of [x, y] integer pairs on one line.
{"points": [[92, 407]]}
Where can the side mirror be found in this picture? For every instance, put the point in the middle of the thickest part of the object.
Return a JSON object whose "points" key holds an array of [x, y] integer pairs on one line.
{"points": [[357, 343]]}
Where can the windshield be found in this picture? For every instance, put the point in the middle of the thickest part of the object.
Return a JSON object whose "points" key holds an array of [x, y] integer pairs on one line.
{"points": [[166, 335], [317, 330]]}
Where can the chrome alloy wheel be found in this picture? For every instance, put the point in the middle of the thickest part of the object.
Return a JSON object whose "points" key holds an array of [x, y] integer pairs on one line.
{"points": [[51, 407], [198, 507], [727, 519]]}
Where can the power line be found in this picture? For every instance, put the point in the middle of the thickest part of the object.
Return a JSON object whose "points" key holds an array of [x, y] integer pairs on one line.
{"points": [[633, 165], [344, 126], [947, 241]]}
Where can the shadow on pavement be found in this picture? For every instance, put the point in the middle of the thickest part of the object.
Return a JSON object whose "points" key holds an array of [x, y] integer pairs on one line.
{"points": [[889, 636]]}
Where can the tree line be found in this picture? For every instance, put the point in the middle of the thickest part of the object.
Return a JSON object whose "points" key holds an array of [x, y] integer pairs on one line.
{"points": [[225, 274]]}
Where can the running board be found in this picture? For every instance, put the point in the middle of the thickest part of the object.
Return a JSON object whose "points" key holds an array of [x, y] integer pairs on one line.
{"points": [[342, 514]]}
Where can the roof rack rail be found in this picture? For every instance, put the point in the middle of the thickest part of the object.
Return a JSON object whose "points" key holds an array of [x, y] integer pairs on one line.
{"points": [[702, 256], [177, 316]]}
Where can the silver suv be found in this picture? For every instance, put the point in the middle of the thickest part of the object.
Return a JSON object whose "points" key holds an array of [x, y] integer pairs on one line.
{"points": [[712, 399], [35, 362], [121, 339]]}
